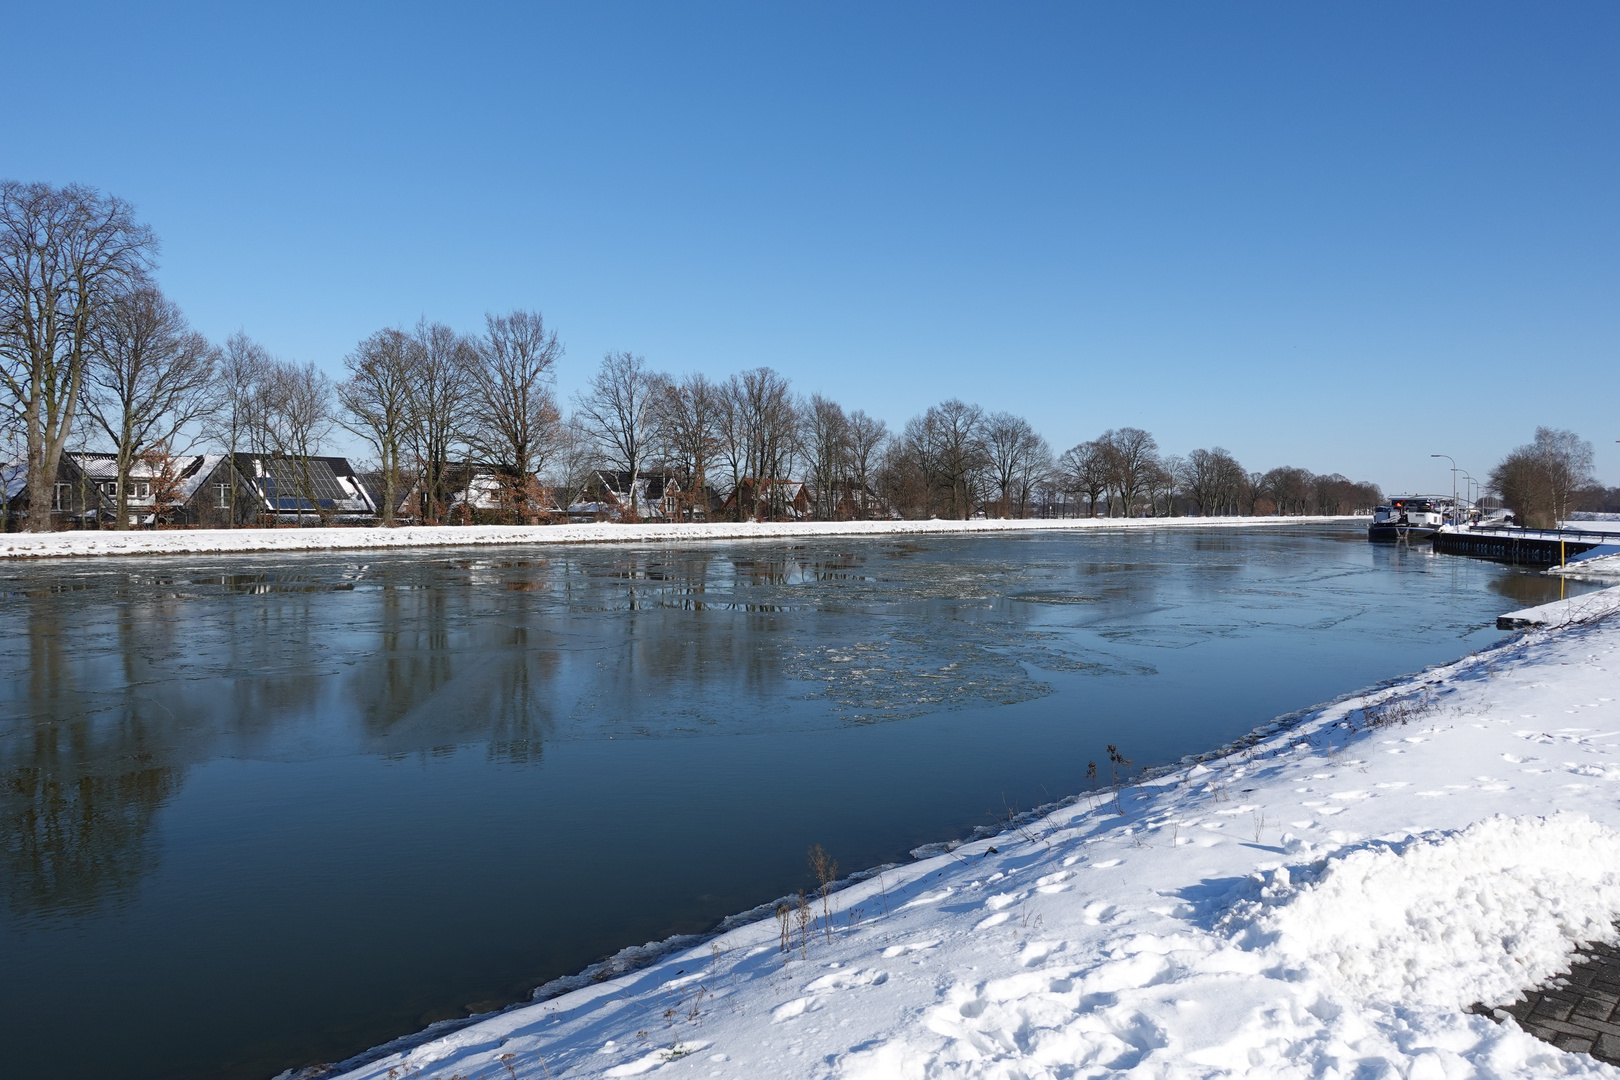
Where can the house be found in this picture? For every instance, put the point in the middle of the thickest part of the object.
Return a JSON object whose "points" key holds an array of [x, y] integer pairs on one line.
{"points": [[196, 489], [278, 489], [75, 500], [480, 491], [656, 495], [765, 498], [156, 490], [857, 502]]}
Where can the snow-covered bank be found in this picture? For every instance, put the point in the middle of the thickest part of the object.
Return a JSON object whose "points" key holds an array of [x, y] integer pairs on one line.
{"points": [[1600, 568], [201, 541], [1325, 902], [1574, 609]]}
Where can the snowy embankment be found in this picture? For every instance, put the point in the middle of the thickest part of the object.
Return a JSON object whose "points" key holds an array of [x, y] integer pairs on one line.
{"points": [[1597, 568], [1325, 900], [1601, 563], [203, 541], [1574, 609]]}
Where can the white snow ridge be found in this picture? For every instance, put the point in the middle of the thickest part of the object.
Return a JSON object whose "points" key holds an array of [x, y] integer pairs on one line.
{"points": [[1325, 903], [1450, 918]]}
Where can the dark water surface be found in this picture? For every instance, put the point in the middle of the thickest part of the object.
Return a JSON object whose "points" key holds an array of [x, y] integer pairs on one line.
{"points": [[260, 811]]}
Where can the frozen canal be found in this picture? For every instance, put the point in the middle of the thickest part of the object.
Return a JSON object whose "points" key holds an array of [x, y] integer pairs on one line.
{"points": [[264, 811]]}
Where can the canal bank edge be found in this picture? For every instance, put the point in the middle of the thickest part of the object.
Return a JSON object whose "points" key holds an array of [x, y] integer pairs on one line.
{"points": [[238, 541]]}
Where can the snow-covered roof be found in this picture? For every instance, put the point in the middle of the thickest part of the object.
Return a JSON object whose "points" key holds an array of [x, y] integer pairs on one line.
{"points": [[197, 474], [14, 474]]}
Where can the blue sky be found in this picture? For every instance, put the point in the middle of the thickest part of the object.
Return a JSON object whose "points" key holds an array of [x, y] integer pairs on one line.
{"points": [[1343, 237]]}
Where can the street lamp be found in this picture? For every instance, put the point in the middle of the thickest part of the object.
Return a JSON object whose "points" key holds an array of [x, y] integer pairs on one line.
{"points": [[1454, 470]]}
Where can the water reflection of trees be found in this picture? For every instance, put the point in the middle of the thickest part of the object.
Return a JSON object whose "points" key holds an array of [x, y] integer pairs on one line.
{"points": [[83, 772], [117, 689]]}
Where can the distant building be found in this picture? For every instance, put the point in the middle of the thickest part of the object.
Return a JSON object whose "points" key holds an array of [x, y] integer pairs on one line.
{"points": [[283, 488], [479, 491], [656, 495], [771, 499], [196, 489]]}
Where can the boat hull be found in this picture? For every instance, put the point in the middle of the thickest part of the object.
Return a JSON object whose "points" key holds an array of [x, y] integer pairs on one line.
{"points": [[1391, 533]]}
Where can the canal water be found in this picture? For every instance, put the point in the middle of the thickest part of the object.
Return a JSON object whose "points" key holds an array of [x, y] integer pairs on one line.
{"points": [[262, 811]]}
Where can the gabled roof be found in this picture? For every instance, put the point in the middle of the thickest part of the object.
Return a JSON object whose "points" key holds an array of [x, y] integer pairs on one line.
{"points": [[194, 475], [280, 483]]}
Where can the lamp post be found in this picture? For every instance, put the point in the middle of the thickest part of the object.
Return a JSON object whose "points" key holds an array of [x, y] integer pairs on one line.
{"points": [[1471, 500], [1454, 471]]}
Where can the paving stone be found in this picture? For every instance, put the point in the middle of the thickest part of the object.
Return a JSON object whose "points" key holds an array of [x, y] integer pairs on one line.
{"points": [[1574, 1044], [1577, 1011]]}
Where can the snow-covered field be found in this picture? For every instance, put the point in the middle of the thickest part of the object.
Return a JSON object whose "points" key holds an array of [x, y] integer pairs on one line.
{"points": [[1323, 902], [196, 541]]}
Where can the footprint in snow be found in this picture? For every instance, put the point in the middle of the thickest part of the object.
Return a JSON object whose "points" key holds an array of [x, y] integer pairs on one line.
{"points": [[796, 1007], [844, 980], [1053, 883], [1037, 951], [995, 920], [900, 950], [1106, 864], [1097, 913], [929, 898]]}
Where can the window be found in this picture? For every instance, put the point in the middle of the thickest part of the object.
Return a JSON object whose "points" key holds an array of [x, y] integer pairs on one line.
{"points": [[61, 496], [222, 493]]}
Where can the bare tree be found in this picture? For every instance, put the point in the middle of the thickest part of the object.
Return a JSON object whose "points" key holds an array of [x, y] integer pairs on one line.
{"points": [[825, 438], [617, 410], [953, 432], [760, 434], [149, 376], [1018, 456], [1214, 481], [1541, 480], [376, 405], [1084, 469], [568, 469], [1132, 458], [65, 253], [235, 420], [297, 413], [441, 392], [1289, 487], [1254, 490], [687, 418], [867, 437], [514, 410], [1164, 484]]}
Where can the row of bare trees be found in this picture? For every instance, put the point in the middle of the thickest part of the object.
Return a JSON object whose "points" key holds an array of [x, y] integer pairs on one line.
{"points": [[421, 399], [89, 343]]}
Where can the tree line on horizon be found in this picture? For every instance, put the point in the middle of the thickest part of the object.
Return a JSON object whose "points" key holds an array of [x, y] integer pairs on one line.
{"points": [[91, 348]]}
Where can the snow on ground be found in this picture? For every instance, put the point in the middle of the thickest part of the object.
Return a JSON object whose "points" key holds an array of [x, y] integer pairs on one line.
{"points": [[1574, 609], [1325, 901], [1599, 568], [194, 541]]}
